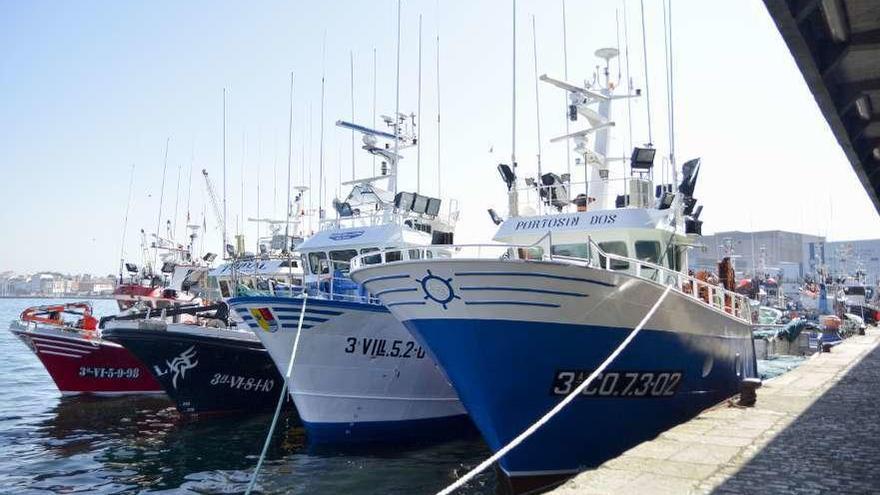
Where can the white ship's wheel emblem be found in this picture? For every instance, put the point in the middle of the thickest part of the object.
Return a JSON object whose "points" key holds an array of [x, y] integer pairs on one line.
{"points": [[438, 289]]}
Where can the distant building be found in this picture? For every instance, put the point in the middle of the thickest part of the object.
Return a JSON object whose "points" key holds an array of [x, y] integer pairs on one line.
{"points": [[780, 253], [844, 258]]}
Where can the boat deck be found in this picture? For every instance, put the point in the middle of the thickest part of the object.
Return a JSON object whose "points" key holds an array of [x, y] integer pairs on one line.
{"points": [[813, 430]]}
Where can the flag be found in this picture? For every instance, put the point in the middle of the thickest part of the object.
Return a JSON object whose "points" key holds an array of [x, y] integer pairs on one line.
{"points": [[265, 319]]}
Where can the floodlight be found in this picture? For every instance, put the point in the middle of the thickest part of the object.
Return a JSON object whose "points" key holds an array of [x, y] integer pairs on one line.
{"points": [[210, 257], [131, 268], [507, 175], [603, 173], [168, 267], [403, 201], [263, 249], [689, 204], [433, 208], [666, 201], [420, 204], [230, 250], [690, 171], [496, 219], [565, 177], [642, 158], [530, 181], [343, 209]]}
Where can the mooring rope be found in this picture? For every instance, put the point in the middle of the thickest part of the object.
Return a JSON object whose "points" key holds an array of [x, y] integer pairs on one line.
{"points": [[281, 398], [558, 407]]}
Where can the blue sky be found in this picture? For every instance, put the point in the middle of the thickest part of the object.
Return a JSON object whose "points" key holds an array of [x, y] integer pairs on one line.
{"points": [[88, 88]]}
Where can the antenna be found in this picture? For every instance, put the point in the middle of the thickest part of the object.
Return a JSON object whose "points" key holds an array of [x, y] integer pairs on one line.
{"points": [[259, 162], [419, 111], [192, 158], [351, 79], [321, 145], [670, 71], [647, 85], [513, 205], [439, 169], [289, 153], [537, 98], [176, 202], [374, 103], [161, 197], [393, 180], [240, 226], [225, 212], [629, 83], [565, 95], [125, 224]]}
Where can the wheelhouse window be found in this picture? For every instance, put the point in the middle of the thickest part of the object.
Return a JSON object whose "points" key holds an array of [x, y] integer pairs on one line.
{"points": [[315, 265], [571, 250], [393, 255], [614, 247], [341, 260], [371, 260], [648, 251]]}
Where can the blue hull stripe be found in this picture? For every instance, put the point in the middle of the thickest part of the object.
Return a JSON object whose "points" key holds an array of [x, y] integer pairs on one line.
{"points": [[538, 275], [406, 303], [384, 277], [293, 304], [524, 289], [394, 291], [252, 321], [412, 430], [511, 303]]}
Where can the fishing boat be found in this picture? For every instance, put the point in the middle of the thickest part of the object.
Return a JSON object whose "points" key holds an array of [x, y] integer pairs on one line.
{"points": [[66, 339], [518, 326], [203, 358], [359, 376]]}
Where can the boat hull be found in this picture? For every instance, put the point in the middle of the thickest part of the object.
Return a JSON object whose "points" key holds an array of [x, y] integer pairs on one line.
{"points": [[204, 370], [359, 376], [80, 363], [516, 337]]}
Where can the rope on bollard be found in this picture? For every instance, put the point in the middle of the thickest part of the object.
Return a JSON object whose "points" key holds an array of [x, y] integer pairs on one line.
{"points": [[558, 407], [281, 398]]}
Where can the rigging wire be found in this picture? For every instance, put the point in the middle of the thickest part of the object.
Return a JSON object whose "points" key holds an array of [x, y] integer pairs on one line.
{"points": [[419, 117], [565, 94], [647, 84], [537, 92]]}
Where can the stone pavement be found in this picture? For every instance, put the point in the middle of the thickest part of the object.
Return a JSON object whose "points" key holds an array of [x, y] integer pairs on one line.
{"points": [[815, 429]]}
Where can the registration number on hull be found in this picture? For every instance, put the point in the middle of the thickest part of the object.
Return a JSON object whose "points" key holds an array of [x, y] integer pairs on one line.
{"points": [[624, 384]]}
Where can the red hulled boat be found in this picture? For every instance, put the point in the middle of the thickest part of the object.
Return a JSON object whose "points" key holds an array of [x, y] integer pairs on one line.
{"points": [[75, 355]]}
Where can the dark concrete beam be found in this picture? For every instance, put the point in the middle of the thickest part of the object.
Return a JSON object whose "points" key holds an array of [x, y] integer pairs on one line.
{"points": [[801, 11]]}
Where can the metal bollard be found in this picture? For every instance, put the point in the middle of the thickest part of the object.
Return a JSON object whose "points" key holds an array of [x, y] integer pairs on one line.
{"points": [[748, 395]]}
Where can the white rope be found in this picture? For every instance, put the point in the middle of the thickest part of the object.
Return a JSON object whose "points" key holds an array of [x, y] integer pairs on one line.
{"points": [[558, 407], [281, 398]]}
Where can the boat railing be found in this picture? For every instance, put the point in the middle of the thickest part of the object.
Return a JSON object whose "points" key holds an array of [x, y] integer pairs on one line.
{"points": [[702, 291], [708, 293]]}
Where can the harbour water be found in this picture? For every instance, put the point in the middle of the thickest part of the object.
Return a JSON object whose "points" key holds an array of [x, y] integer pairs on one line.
{"points": [[54, 444]]}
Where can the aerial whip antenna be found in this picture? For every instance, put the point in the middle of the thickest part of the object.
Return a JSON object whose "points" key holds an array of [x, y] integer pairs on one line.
{"points": [[161, 199], [289, 153], [321, 145], [647, 85], [537, 98], [628, 79], [439, 169], [419, 117], [125, 224], [225, 211], [351, 80], [393, 180], [565, 95], [374, 105]]}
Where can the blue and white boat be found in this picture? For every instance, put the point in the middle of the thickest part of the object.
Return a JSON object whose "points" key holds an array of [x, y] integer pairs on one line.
{"points": [[359, 376], [519, 325]]}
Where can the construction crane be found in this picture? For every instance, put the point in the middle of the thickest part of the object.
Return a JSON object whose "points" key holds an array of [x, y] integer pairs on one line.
{"points": [[221, 224]]}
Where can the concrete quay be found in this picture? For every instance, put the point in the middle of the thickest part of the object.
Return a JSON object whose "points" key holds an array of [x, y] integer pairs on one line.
{"points": [[815, 429]]}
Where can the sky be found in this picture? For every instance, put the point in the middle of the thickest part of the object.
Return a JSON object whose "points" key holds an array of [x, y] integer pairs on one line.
{"points": [[91, 90]]}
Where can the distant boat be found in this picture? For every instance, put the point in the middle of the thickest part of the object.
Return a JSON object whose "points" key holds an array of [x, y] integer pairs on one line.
{"points": [[76, 356]]}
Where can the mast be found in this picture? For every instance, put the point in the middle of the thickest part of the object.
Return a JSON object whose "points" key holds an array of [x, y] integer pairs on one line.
{"points": [[419, 116], [537, 98], [321, 145], [289, 151], [374, 105], [513, 203], [225, 211], [351, 79], [393, 179], [176, 201], [161, 200], [439, 169], [565, 95], [647, 85], [125, 224]]}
